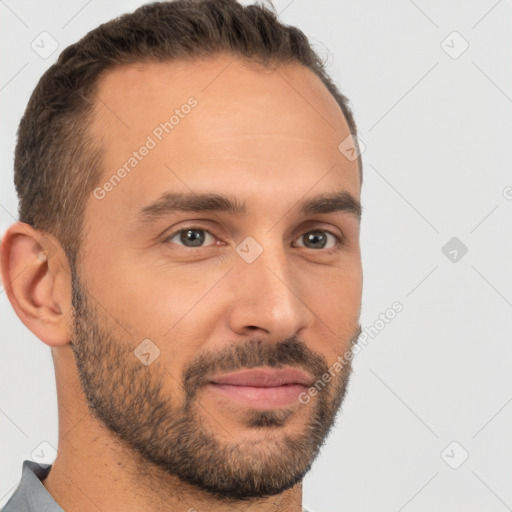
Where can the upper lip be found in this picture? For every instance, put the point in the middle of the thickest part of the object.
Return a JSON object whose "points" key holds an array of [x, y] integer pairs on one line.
{"points": [[260, 377]]}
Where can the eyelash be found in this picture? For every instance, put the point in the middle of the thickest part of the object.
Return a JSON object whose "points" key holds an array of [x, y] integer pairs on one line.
{"points": [[332, 250]]}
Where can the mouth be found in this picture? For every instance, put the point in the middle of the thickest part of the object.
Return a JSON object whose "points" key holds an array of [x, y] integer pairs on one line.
{"points": [[262, 388]]}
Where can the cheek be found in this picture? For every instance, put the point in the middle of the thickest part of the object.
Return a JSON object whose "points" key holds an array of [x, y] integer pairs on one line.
{"points": [[338, 290], [165, 305], [338, 305]]}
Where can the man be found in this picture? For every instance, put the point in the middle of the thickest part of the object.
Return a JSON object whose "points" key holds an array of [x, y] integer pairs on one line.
{"points": [[188, 247]]}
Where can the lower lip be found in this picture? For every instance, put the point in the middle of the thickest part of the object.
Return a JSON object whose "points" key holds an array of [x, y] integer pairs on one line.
{"points": [[260, 397]]}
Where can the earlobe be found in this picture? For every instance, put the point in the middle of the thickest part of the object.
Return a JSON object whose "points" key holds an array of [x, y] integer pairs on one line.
{"points": [[37, 281]]}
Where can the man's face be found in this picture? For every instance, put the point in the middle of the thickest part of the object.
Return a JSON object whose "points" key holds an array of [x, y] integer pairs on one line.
{"points": [[216, 291]]}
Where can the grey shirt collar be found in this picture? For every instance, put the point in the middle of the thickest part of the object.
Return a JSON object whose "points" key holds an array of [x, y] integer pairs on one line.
{"points": [[31, 495]]}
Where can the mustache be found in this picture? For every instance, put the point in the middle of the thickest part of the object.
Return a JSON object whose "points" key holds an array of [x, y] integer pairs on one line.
{"points": [[252, 354]]}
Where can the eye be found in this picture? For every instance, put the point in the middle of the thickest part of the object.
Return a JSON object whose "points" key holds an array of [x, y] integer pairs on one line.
{"points": [[319, 238], [195, 236], [190, 237]]}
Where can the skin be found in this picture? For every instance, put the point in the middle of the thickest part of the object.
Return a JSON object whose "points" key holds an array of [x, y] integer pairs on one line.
{"points": [[269, 137]]}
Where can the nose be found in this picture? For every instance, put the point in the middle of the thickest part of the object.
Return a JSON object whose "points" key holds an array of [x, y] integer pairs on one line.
{"points": [[268, 296]]}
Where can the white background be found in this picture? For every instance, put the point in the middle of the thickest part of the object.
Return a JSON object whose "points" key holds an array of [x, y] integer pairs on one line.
{"points": [[437, 164]]}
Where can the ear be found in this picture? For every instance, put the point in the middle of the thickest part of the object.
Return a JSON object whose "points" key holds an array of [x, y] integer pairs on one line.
{"points": [[37, 279]]}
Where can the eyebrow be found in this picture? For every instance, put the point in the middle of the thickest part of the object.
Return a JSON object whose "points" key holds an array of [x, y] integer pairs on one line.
{"points": [[168, 203]]}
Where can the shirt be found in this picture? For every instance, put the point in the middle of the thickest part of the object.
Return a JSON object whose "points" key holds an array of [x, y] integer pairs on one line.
{"points": [[31, 495]]}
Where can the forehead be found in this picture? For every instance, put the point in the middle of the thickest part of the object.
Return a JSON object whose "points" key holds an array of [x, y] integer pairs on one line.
{"points": [[207, 122], [134, 97]]}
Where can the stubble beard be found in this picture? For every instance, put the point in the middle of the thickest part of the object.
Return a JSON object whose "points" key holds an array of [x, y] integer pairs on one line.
{"points": [[180, 439]]}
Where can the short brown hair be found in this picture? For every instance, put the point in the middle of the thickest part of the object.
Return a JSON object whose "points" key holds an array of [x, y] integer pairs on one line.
{"points": [[57, 164]]}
